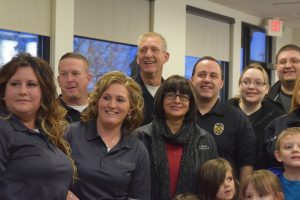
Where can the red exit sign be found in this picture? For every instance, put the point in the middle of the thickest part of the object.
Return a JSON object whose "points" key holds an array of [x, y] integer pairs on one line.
{"points": [[274, 27]]}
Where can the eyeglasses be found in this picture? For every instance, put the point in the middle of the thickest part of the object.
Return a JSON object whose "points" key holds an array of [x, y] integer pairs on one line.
{"points": [[293, 61], [172, 96], [257, 84]]}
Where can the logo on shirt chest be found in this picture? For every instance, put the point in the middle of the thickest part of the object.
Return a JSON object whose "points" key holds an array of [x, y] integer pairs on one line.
{"points": [[125, 164], [218, 128]]}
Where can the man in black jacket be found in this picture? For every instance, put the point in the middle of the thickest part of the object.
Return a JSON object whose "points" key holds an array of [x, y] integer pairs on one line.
{"points": [[288, 69], [73, 79], [152, 55]]}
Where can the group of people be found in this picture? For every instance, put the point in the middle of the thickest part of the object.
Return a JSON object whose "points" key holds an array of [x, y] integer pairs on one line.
{"points": [[146, 137]]}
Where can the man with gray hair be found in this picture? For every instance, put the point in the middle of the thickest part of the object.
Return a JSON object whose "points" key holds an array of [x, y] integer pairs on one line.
{"points": [[151, 57]]}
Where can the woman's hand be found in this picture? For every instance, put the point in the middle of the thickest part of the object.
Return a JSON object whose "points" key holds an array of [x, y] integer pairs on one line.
{"points": [[71, 196]]}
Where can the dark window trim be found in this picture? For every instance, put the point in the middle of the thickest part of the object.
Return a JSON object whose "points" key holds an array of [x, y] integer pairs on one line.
{"points": [[210, 15]]}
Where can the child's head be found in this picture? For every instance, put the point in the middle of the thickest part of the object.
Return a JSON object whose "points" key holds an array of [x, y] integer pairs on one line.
{"points": [[187, 196], [287, 149], [262, 184], [216, 180]]}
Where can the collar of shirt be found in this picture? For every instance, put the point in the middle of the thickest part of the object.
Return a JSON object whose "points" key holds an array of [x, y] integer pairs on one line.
{"points": [[92, 134], [217, 109]]}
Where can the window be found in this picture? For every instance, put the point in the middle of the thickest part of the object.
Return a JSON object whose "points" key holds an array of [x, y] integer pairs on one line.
{"points": [[105, 56], [13, 42], [256, 47]]}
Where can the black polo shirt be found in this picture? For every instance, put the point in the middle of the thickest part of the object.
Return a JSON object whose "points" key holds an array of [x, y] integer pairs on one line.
{"points": [[72, 114], [121, 173], [31, 167], [233, 133], [148, 100]]}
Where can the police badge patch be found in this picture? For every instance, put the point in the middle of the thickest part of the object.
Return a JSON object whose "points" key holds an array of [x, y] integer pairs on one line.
{"points": [[218, 128]]}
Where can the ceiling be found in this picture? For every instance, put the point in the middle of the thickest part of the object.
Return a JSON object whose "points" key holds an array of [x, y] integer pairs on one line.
{"points": [[287, 10]]}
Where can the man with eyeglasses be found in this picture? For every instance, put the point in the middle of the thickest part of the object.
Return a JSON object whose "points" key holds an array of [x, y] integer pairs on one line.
{"points": [[230, 128], [288, 69]]}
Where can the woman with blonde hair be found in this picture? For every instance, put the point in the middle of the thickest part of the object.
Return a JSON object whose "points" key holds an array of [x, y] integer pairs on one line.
{"points": [[111, 162], [253, 86]]}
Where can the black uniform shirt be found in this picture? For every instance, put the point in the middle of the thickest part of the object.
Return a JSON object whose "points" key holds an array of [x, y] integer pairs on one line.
{"points": [[31, 167], [233, 134], [72, 114], [122, 172]]}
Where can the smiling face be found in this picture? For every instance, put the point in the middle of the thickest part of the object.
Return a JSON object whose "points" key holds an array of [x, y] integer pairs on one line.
{"points": [[113, 106], [289, 151], [207, 80], [227, 189], [288, 66], [73, 80], [151, 55], [176, 105], [23, 94], [253, 87]]}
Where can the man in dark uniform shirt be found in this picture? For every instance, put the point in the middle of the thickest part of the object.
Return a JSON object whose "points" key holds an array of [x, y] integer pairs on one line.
{"points": [[288, 69], [231, 129], [152, 55], [73, 79]]}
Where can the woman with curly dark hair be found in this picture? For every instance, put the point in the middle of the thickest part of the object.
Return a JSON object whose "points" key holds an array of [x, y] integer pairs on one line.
{"points": [[34, 157]]}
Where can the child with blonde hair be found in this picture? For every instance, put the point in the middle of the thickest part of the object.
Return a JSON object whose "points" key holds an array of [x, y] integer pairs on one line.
{"points": [[216, 181], [262, 184], [287, 151], [187, 196]]}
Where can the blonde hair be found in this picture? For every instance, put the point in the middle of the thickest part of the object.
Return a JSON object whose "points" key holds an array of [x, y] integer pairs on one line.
{"points": [[264, 182], [135, 98], [187, 196], [151, 35], [295, 99], [287, 132], [258, 67]]}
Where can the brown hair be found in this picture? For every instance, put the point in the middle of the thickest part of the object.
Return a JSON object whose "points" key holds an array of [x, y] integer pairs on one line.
{"points": [[50, 115], [258, 67], [211, 59], [172, 84], [135, 99], [76, 56], [288, 47], [187, 196], [264, 182], [211, 176]]}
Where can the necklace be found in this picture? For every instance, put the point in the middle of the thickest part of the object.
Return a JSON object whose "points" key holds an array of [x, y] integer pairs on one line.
{"points": [[111, 142]]}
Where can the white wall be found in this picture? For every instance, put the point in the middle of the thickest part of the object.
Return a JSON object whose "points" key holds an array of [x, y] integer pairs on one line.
{"points": [[170, 21], [113, 20], [296, 36], [83, 17]]}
